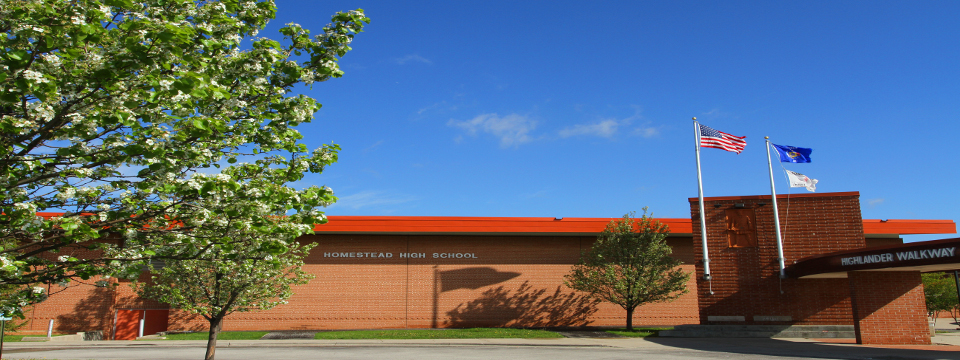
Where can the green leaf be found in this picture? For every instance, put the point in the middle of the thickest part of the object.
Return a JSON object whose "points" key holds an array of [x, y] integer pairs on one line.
{"points": [[184, 84], [18, 55], [103, 74], [134, 150], [207, 188]]}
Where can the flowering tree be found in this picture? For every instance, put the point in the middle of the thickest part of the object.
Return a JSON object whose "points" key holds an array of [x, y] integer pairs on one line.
{"points": [[630, 265], [111, 111], [243, 265]]}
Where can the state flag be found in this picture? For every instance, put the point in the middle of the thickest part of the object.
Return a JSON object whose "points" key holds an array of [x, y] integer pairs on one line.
{"points": [[793, 154]]}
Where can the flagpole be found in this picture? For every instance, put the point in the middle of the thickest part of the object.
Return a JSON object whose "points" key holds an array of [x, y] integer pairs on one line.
{"points": [[776, 212], [703, 215]]}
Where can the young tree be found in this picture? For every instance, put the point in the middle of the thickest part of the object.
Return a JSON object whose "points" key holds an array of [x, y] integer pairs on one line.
{"points": [[630, 265], [109, 108], [242, 266], [250, 272], [242, 256], [940, 290]]}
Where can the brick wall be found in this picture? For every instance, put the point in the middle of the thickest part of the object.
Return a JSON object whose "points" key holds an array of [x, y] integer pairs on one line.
{"points": [[81, 306], [84, 306], [514, 281], [888, 307], [746, 280]]}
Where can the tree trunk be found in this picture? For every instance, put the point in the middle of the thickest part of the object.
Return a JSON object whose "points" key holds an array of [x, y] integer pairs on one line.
{"points": [[630, 319], [215, 325]]}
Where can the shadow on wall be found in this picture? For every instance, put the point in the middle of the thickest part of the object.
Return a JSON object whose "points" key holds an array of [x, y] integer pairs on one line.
{"points": [[94, 312], [465, 278], [472, 278], [183, 321], [524, 307], [806, 301]]}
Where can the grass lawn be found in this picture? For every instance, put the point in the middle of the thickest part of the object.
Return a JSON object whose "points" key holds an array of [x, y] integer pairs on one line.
{"points": [[639, 331], [477, 333], [16, 338], [226, 335], [8, 338]]}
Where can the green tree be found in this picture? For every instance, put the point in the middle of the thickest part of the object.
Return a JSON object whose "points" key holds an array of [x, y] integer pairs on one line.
{"points": [[249, 267], [630, 265], [940, 290], [112, 112]]}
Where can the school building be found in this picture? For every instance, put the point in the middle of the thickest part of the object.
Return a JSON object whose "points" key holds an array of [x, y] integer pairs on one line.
{"points": [[376, 272]]}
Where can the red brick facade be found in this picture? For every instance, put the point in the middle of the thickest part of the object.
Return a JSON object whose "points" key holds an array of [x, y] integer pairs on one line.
{"points": [[746, 280], [886, 307], [514, 281], [889, 307]]}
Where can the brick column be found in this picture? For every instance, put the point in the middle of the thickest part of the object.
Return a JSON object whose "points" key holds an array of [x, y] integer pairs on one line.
{"points": [[889, 307]]}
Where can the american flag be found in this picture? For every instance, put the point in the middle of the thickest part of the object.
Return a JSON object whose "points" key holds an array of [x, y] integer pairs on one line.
{"points": [[720, 140]]}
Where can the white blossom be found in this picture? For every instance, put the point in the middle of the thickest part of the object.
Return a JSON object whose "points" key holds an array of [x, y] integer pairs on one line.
{"points": [[94, 57], [40, 110], [33, 76], [66, 193], [28, 207], [51, 59]]}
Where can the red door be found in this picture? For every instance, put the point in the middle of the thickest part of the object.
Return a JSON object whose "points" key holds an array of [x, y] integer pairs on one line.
{"points": [[128, 322]]}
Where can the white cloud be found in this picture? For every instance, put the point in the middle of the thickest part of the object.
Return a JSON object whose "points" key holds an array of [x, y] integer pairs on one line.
{"points": [[874, 202], [606, 128], [373, 147], [438, 108], [512, 129], [366, 199], [647, 132], [413, 58], [712, 112]]}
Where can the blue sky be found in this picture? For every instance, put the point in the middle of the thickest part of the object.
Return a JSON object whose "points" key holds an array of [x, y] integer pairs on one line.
{"points": [[583, 109]]}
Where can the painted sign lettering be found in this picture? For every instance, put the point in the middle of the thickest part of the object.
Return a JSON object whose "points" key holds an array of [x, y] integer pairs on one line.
{"points": [[899, 256], [383, 255]]}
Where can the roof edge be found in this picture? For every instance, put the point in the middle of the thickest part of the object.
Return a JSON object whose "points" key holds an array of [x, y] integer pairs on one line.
{"points": [[779, 196]]}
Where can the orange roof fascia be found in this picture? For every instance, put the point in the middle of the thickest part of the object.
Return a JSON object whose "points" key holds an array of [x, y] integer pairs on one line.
{"points": [[444, 224], [451, 224], [457, 224], [909, 227]]}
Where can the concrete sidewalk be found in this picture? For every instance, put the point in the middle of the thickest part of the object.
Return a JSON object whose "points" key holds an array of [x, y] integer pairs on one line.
{"points": [[581, 342], [940, 342]]}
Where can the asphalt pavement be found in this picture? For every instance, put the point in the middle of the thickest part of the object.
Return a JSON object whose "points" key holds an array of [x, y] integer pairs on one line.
{"points": [[947, 346]]}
